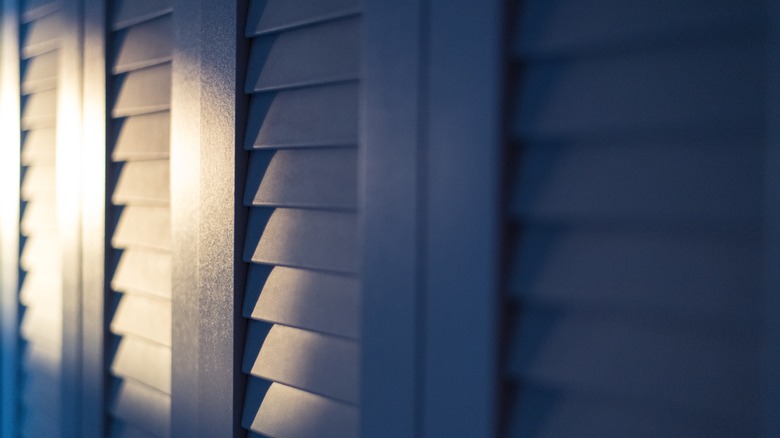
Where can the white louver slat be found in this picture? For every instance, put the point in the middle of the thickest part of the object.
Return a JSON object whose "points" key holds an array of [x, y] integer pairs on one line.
{"points": [[302, 297], [142, 47], [38, 147]]}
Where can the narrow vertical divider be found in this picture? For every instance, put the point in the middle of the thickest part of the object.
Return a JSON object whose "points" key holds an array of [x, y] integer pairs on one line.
{"points": [[68, 180], [185, 217], [389, 186], [93, 225], [221, 226], [461, 214]]}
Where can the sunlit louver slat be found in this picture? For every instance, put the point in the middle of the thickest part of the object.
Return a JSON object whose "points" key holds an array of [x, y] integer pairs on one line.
{"points": [[636, 191], [302, 297], [41, 285], [142, 44]]}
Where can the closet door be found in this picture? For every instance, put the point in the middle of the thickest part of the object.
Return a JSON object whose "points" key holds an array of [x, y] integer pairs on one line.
{"points": [[140, 50], [635, 255], [41, 284], [302, 295]]}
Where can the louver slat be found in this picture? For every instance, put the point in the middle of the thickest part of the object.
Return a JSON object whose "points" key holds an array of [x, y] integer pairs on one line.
{"points": [[661, 272], [637, 202], [143, 137], [628, 357], [38, 183], [143, 227], [37, 9], [38, 147], [317, 301], [605, 25], [143, 406], [144, 91], [41, 36], [39, 110], [39, 216], [302, 134], [303, 178], [303, 238], [37, 253], [665, 179], [560, 413], [147, 317], [275, 15], [120, 429], [42, 326], [143, 271], [143, 183], [314, 415], [694, 86], [321, 364], [312, 55], [322, 116], [143, 361], [38, 289], [129, 12], [144, 45], [40, 73]]}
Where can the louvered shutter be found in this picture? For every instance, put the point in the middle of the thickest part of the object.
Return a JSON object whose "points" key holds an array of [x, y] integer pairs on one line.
{"points": [[636, 202], [141, 49], [302, 296], [41, 280]]}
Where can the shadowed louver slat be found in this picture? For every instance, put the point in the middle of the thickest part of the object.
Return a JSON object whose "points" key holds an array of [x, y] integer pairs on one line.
{"points": [[42, 35], [144, 45], [127, 13], [307, 117], [143, 361], [40, 73], [142, 406], [143, 183], [143, 91], [307, 178], [39, 110], [38, 147], [278, 15], [319, 301], [143, 137]]}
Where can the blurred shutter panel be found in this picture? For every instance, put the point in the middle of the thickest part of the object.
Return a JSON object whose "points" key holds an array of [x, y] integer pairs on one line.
{"points": [[302, 297], [41, 281], [142, 45], [636, 206]]}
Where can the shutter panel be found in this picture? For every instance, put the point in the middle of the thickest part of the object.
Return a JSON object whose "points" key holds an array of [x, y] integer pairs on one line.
{"points": [[142, 47], [41, 285], [636, 191], [302, 296]]}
